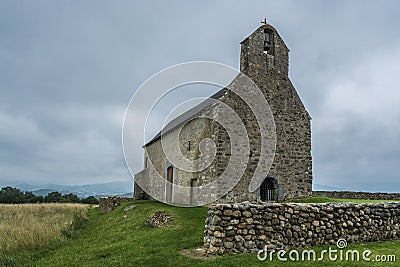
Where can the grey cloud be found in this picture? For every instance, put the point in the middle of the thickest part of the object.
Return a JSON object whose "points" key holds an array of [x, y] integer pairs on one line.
{"points": [[68, 70]]}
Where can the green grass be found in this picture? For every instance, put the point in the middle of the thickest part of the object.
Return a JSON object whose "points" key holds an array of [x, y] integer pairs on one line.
{"points": [[121, 238]]}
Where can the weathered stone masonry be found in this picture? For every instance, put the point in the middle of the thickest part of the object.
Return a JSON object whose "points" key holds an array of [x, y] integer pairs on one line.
{"points": [[245, 227]]}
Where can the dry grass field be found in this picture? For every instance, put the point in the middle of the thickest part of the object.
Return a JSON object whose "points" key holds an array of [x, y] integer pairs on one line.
{"points": [[31, 226]]}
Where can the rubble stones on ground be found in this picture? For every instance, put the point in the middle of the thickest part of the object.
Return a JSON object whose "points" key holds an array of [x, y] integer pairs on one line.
{"points": [[160, 220]]}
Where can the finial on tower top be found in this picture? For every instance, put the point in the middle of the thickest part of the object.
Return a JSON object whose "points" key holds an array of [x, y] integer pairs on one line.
{"points": [[264, 21]]}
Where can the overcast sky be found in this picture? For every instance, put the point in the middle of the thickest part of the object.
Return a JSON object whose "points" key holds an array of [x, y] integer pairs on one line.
{"points": [[69, 68]]}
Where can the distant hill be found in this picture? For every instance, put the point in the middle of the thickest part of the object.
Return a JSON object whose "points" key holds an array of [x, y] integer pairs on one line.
{"points": [[40, 192], [320, 187], [116, 188]]}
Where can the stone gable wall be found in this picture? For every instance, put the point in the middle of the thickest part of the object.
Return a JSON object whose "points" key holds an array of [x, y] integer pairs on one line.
{"points": [[245, 227], [292, 166]]}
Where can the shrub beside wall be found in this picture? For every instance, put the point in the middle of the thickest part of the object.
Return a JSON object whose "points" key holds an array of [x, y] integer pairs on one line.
{"points": [[246, 227]]}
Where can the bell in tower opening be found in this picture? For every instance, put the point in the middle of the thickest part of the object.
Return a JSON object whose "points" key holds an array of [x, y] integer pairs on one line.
{"points": [[267, 40]]}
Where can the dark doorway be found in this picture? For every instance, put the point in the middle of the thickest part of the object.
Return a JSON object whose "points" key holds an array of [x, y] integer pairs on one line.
{"points": [[268, 190], [193, 184], [170, 179]]}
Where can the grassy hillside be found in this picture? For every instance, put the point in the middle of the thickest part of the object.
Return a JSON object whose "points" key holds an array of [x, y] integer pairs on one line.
{"points": [[122, 238]]}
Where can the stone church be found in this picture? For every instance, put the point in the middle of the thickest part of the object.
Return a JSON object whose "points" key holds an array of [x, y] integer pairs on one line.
{"points": [[265, 60]]}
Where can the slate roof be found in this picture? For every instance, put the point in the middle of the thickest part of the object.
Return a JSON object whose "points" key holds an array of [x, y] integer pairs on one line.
{"points": [[188, 115]]}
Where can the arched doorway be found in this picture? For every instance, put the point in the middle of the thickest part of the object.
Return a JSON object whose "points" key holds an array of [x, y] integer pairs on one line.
{"points": [[269, 190], [170, 179], [193, 184]]}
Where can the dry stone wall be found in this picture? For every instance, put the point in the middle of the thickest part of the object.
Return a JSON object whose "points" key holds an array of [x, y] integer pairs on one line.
{"points": [[107, 204], [245, 227]]}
